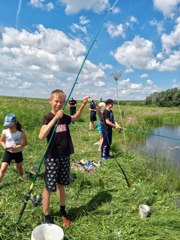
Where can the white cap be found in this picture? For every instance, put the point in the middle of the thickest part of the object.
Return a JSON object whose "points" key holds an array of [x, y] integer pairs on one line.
{"points": [[101, 104]]}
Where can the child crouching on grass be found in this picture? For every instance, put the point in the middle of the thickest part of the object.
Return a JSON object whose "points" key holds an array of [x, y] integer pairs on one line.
{"points": [[57, 162], [13, 140]]}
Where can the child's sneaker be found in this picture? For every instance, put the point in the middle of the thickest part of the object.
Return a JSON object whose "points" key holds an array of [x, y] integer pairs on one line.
{"points": [[21, 179], [65, 219], [48, 219]]}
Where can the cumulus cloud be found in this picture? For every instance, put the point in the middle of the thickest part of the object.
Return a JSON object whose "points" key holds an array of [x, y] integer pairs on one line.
{"points": [[145, 75], [149, 82], [78, 5], [37, 64], [171, 40], [84, 20], [43, 4], [127, 89], [137, 53], [75, 28], [115, 30], [168, 7], [133, 19], [159, 25]]}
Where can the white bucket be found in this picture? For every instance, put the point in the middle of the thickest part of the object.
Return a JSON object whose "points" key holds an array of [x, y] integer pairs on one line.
{"points": [[47, 232], [144, 210]]}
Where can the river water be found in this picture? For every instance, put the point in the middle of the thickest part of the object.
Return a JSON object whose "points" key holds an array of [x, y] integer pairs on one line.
{"points": [[164, 141]]}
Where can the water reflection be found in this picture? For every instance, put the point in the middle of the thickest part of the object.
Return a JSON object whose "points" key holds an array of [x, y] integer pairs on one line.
{"points": [[165, 141]]}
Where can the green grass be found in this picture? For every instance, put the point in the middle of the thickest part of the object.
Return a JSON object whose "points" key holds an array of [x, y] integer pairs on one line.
{"points": [[102, 206]]}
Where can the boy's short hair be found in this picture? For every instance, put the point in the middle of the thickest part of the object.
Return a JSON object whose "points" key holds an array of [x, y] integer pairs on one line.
{"points": [[109, 101], [57, 91]]}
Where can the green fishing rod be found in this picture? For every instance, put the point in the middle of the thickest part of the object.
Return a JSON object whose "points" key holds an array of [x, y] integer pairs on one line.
{"points": [[28, 195]]}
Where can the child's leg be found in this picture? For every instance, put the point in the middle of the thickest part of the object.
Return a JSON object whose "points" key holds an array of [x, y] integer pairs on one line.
{"points": [[100, 141], [19, 169], [65, 218], [3, 169], [90, 125], [46, 201], [61, 191]]}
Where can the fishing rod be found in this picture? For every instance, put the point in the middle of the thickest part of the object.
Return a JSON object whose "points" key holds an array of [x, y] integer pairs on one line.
{"points": [[116, 76], [124, 174], [28, 195]]}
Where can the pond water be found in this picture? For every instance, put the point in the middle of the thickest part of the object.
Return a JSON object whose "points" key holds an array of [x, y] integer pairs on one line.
{"points": [[164, 141]]}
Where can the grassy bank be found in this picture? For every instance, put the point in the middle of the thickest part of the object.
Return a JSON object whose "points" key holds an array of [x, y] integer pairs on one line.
{"points": [[101, 204]]}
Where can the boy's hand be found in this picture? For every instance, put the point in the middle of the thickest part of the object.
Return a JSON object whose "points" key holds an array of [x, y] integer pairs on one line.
{"points": [[85, 100], [118, 127], [59, 114]]}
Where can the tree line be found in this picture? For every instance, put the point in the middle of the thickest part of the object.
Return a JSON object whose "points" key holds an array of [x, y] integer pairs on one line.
{"points": [[168, 98]]}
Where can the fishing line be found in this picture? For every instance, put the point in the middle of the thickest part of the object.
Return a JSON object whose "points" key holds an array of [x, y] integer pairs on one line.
{"points": [[116, 77], [54, 130], [149, 133]]}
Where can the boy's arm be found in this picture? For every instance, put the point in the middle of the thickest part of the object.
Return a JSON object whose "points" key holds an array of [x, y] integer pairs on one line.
{"points": [[115, 125], [78, 113], [45, 129], [108, 122]]}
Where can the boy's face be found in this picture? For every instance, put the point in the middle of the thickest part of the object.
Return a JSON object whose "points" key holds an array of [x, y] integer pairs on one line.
{"points": [[110, 105], [57, 101]]}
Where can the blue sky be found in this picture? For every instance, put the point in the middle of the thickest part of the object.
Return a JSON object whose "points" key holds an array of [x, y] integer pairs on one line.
{"points": [[43, 44]]}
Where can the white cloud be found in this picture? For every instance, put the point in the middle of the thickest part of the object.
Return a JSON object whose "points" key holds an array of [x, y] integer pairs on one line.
{"points": [[168, 7], [149, 82], [83, 20], [172, 40], [105, 66], [129, 70], [115, 30], [135, 91], [33, 63], [171, 63], [42, 4], [47, 76], [145, 75], [133, 19], [75, 27], [25, 85], [137, 53], [158, 25], [78, 5], [116, 10]]}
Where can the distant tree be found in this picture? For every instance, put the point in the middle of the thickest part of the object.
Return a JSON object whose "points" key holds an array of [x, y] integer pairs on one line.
{"points": [[168, 98]]}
